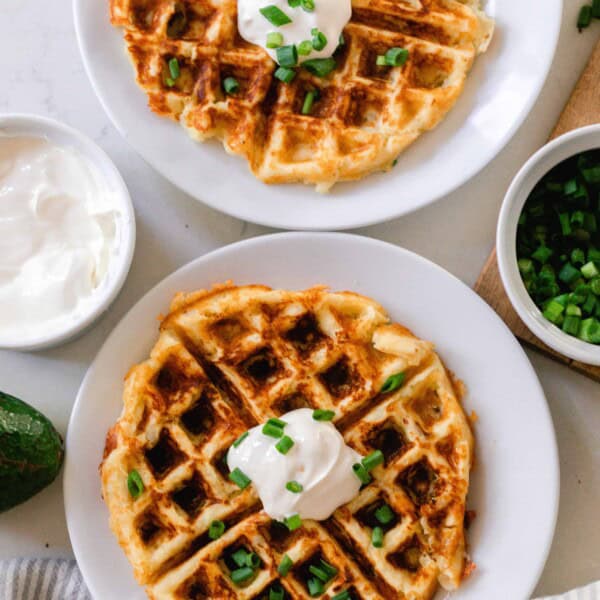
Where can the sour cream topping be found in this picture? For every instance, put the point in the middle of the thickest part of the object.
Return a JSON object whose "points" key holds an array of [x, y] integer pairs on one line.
{"points": [[328, 16], [59, 227], [320, 461]]}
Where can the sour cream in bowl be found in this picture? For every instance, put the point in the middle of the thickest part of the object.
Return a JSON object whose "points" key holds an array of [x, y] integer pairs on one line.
{"points": [[67, 232]]}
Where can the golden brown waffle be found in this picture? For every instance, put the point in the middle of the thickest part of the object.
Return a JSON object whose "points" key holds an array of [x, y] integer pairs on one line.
{"points": [[233, 357], [366, 114]]}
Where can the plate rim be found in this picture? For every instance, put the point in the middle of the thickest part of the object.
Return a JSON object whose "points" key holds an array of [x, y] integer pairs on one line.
{"points": [[553, 463], [360, 219]]}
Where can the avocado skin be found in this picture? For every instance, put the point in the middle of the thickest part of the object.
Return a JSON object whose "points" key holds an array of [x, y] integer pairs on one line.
{"points": [[31, 451]]}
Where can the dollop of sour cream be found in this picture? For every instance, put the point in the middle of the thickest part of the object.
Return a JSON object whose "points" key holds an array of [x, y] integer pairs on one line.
{"points": [[59, 226], [320, 461], [328, 16]]}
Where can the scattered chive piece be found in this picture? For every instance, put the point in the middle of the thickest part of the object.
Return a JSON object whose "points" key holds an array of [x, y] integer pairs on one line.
{"points": [[293, 522], [315, 587], [342, 41], [308, 102], [320, 414], [275, 15], [274, 39], [361, 473], [231, 85], [253, 560], [285, 565], [384, 514], [294, 487], [272, 430], [277, 422], [284, 445], [392, 383], [239, 478], [343, 595], [319, 573], [319, 41], [294, 3], [590, 270], [135, 485], [284, 74], [329, 569], [241, 575], [590, 331], [373, 460], [276, 592], [240, 439], [585, 17], [174, 68], [305, 48], [377, 537], [396, 57], [287, 56], [319, 66], [239, 557], [216, 529], [170, 82], [308, 5], [380, 61]]}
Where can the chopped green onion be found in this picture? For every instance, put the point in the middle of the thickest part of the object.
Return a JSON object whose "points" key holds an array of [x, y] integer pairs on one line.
{"points": [[305, 48], [342, 41], [287, 56], [277, 422], [590, 331], [253, 560], [572, 310], [276, 592], [526, 268], [272, 430], [585, 17], [590, 270], [284, 445], [319, 41], [329, 569], [319, 573], [216, 529], [384, 514], [568, 274], [239, 478], [393, 382], [240, 439], [553, 311], [380, 61], [542, 254], [571, 325], [274, 39], [294, 3], [275, 15], [373, 460], [294, 487], [396, 57], [595, 286], [578, 256], [174, 68], [319, 66], [284, 74], [241, 575], [240, 558], [308, 5], [293, 522], [343, 595], [170, 82], [361, 473], [231, 85], [285, 565], [315, 587], [320, 414], [377, 537], [135, 485]]}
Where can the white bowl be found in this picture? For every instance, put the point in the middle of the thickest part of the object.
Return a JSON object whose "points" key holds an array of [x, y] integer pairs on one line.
{"points": [[580, 140], [22, 124]]}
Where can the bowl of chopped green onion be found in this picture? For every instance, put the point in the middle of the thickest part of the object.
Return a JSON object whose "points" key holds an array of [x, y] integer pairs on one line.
{"points": [[548, 244]]}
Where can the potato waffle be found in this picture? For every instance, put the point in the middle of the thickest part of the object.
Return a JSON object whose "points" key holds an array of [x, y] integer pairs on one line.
{"points": [[230, 358], [365, 115]]}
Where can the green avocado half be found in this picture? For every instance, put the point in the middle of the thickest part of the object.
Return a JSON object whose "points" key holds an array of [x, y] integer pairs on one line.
{"points": [[31, 451]]}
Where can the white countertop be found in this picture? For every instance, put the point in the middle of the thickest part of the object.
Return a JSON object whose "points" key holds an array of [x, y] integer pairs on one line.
{"points": [[42, 73]]}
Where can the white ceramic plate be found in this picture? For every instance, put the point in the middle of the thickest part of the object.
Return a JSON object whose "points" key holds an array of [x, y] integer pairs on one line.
{"points": [[515, 484], [498, 95]]}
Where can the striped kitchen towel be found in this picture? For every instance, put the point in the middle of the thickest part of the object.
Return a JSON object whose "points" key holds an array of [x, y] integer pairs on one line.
{"points": [[589, 592], [41, 579]]}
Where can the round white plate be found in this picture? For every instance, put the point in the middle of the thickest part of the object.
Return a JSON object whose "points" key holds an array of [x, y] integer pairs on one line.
{"points": [[515, 483], [498, 95]]}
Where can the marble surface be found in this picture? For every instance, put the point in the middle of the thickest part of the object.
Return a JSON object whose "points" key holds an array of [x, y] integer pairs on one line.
{"points": [[42, 73]]}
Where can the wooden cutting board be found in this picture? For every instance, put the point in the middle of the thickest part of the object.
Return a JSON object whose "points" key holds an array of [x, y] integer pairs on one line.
{"points": [[583, 108]]}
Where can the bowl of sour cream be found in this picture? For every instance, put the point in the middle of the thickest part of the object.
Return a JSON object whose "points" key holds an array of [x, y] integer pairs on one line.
{"points": [[67, 232]]}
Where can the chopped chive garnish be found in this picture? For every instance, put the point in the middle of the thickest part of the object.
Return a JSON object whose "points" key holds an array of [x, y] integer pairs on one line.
{"points": [[585, 17], [308, 102], [373, 460], [320, 414], [174, 68], [276, 592], [315, 587], [293, 522], [274, 39], [319, 573], [135, 485], [361, 473], [253, 560], [319, 41], [216, 529], [241, 575], [342, 41], [393, 382], [239, 478], [396, 57], [239, 557], [294, 487], [308, 5], [284, 445], [231, 85], [329, 569], [589, 331], [240, 439], [285, 565], [277, 422], [343, 595], [319, 66], [380, 61], [170, 82], [384, 514], [377, 537], [275, 15], [287, 56], [294, 3], [284, 74], [305, 48], [272, 430]]}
